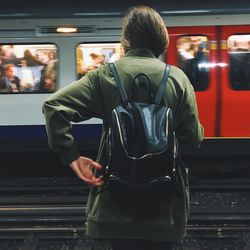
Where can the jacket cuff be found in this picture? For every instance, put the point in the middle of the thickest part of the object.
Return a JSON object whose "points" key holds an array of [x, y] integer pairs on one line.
{"points": [[69, 155]]}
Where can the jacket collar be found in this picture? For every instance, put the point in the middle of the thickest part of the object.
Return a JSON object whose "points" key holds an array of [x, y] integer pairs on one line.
{"points": [[140, 52]]}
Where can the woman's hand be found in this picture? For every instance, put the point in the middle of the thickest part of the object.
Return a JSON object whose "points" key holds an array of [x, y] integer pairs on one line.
{"points": [[83, 169]]}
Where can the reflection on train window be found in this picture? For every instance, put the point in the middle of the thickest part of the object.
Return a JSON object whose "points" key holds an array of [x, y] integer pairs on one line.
{"points": [[239, 61], [193, 59], [91, 56], [28, 68]]}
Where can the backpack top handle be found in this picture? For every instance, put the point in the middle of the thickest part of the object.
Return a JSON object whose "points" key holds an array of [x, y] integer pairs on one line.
{"points": [[123, 92], [136, 81]]}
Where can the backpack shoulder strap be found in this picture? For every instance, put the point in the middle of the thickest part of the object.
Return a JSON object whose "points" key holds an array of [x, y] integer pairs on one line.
{"points": [[163, 84], [118, 83]]}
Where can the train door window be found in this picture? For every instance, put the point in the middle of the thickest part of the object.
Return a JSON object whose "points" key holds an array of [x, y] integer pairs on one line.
{"points": [[239, 61], [28, 68], [91, 56], [193, 59]]}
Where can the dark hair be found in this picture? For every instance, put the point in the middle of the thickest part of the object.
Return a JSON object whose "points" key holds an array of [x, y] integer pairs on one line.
{"points": [[143, 27]]}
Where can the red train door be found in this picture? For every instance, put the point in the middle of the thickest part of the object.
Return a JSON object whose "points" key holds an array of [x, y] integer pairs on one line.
{"points": [[235, 51], [194, 50]]}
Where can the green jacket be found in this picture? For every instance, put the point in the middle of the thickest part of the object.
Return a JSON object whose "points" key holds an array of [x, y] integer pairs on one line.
{"points": [[96, 95]]}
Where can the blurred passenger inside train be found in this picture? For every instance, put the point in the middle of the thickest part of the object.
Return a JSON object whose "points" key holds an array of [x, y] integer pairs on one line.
{"points": [[144, 38], [47, 85], [116, 55], [27, 76], [184, 50], [239, 58], [8, 55], [49, 73], [9, 82], [31, 70], [98, 59], [200, 69], [30, 59], [185, 55], [193, 60], [81, 66]]}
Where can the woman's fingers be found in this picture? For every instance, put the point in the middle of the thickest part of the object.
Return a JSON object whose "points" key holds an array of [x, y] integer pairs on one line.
{"points": [[95, 164], [82, 168], [81, 175]]}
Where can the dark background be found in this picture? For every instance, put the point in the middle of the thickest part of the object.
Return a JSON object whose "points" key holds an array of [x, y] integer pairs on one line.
{"points": [[68, 8]]}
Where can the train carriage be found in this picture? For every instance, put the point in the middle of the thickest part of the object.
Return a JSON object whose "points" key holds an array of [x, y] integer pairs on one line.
{"points": [[217, 65]]}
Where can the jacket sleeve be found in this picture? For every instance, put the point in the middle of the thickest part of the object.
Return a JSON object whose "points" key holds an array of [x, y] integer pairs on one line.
{"points": [[76, 102], [189, 130]]}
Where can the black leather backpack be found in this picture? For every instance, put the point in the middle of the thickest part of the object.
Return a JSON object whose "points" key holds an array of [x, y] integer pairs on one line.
{"points": [[142, 149]]}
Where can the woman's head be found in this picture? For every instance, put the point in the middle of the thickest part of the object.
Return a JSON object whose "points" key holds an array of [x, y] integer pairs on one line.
{"points": [[143, 27]]}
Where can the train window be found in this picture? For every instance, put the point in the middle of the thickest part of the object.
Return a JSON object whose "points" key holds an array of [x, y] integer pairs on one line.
{"points": [[239, 61], [91, 56], [28, 68], [193, 58]]}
